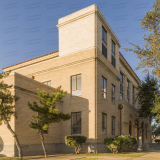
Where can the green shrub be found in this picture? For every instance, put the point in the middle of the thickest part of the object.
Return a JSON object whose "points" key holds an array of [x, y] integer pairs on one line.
{"points": [[75, 141], [157, 140], [119, 142]]}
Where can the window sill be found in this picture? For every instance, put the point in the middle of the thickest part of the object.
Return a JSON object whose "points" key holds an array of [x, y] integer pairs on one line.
{"points": [[104, 133], [76, 96], [104, 99]]}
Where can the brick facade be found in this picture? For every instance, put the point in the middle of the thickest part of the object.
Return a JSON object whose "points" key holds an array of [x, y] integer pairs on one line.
{"points": [[80, 52]]}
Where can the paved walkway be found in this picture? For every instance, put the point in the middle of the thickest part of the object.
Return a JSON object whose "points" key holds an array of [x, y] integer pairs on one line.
{"points": [[148, 156]]}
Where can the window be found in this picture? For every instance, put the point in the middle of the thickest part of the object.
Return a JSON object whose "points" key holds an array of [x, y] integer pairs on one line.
{"points": [[48, 83], [76, 123], [113, 94], [76, 85], [146, 126], [130, 128], [104, 90], [104, 123], [113, 125], [127, 90], [113, 60], [121, 86], [104, 42], [133, 98]]}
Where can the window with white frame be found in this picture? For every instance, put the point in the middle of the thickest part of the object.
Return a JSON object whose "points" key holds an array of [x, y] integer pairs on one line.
{"points": [[104, 88], [113, 93], [76, 85], [48, 83]]}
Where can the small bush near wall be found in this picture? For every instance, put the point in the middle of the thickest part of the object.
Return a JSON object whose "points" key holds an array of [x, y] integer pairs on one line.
{"points": [[157, 140], [75, 141], [119, 142]]}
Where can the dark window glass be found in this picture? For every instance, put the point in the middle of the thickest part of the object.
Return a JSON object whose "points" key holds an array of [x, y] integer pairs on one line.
{"points": [[104, 123], [130, 128], [104, 42], [121, 86], [113, 60], [113, 125], [133, 97], [104, 36], [76, 123], [104, 88], [113, 94], [104, 50], [128, 92]]}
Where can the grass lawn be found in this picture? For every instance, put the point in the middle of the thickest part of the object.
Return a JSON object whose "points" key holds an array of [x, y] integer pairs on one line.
{"points": [[125, 154]]}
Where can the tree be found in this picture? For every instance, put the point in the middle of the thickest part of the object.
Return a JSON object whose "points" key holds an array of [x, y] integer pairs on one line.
{"points": [[156, 109], [75, 141], [149, 54], [156, 130], [7, 108], [147, 91], [47, 112]]}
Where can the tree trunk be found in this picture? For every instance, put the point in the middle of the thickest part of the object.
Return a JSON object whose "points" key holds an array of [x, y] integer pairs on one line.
{"points": [[14, 135], [150, 130], [42, 140]]}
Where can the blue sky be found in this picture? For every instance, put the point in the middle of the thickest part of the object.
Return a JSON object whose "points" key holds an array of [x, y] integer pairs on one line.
{"points": [[28, 28]]}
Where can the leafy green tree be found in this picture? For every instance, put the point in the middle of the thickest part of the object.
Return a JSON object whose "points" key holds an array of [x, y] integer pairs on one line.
{"points": [[149, 54], [7, 108], [147, 91], [156, 130], [47, 112]]}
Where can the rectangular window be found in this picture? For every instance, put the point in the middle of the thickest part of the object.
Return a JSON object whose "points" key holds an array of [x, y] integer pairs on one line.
{"points": [[76, 85], [104, 42], [146, 134], [104, 123], [133, 97], [121, 86], [48, 83], [76, 123], [104, 88], [128, 91], [113, 54], [113, 94], [113, 125]]}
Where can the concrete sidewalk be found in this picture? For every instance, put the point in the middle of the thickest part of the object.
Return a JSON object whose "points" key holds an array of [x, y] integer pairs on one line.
{"points": [[148, 156]]}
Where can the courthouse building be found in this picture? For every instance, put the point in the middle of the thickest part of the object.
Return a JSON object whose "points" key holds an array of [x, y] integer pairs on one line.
{"points": [[97, 79]]}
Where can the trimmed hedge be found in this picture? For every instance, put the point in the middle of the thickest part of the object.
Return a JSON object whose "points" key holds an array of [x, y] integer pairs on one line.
{"points": [[119, 142], [157, 140], [75, 141]]}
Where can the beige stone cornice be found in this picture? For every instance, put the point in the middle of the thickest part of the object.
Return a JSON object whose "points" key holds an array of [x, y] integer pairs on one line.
{"points": [[62, 66], [128, 68], [107, 68], [32, 61], [76, 18], [108, 28]]}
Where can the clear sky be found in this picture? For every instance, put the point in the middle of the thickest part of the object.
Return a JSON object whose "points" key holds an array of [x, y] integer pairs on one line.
{"points": [[28, 28]]}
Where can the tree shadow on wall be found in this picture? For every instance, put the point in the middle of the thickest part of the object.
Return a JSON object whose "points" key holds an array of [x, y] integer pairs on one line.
{"points": [[1, 147]]}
